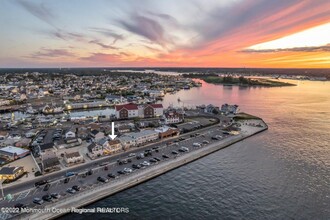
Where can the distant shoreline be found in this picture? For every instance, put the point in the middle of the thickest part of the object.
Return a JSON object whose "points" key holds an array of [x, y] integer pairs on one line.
{"points": [[238, 81]]}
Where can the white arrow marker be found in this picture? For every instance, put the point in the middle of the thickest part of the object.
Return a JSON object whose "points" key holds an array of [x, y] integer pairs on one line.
{"points": [[112, 136]]}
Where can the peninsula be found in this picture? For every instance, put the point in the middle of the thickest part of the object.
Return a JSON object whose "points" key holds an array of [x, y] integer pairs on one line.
{"points": [[240, 81]]}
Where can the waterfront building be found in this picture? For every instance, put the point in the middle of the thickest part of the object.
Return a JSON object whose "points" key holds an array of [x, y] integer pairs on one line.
{"points": [[166, 132], [11, 173], [142, 111], [94, 150], [96, 135], [127, 141], [50, 161], [12, 153], [229, 109], [113, 146], [143, 136], [173, 116], [127, 111], [73, 157]]}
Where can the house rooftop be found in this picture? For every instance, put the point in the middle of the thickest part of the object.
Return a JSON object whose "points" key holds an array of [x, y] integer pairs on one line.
{"points": [[130, 106], [9, 170], [14, 150]]}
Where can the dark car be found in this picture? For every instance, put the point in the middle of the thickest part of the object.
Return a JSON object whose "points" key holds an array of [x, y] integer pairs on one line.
{"points": [[19, 206], [120, 172], [153, 160], [89, 172], [156, 158], [181, 139], [41, 182], [55, 195], [76, 187], [110, 175], [165, 156], [174, 152], [66, 180], [136, 166], [47, 198], [181, 150], [102, 179], [46, 188]]}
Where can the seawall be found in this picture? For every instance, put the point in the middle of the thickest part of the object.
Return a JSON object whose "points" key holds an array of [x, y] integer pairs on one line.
{"points": [[92, 195]]}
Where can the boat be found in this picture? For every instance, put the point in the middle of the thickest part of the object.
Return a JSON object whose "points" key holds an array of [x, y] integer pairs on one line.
{"points": [[52, 110], [31, 111]]}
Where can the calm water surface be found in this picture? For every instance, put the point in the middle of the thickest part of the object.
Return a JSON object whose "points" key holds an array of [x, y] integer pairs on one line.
{"points": [[283, 173]]}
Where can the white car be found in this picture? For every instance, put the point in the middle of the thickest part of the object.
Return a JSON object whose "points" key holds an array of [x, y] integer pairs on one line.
{"points": [[186, 149], [146, 163], [128, 170], [131, 155], [197, 145]]}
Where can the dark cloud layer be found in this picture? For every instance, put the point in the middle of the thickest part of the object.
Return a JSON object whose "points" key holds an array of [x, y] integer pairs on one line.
{"points": [[51, 53], [325, 48], [40, 11], [145, 27]]}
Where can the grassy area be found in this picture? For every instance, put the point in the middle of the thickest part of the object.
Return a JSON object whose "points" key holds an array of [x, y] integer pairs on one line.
{"points": [[245, 81], [244, 116], [241, 81]]}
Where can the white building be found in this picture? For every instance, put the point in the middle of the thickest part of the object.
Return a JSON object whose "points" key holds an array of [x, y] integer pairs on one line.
{"points": [[73, 157], [127, 141], [127, 111], [142, 136]]}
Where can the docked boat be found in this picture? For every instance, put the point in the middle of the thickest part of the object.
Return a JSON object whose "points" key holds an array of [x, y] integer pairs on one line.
{"points": [[52, 110], [31, 111]]}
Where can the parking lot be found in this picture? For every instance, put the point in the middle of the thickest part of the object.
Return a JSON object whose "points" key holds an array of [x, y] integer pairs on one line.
{"points": [[111, 165]]}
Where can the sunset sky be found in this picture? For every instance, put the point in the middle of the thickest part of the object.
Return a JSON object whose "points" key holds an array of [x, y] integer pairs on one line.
{"points": [[165, 33]]}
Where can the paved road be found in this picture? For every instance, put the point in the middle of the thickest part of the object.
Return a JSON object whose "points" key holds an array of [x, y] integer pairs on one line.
{"points": [[29, 192]]}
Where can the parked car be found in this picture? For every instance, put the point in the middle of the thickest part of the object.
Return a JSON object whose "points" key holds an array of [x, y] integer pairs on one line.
{"points": [[47, 186], [47, 198], [38, 201], [55, 195], [145, 163], [68, 174], [197, 145], [120, 172], [128, 170], [102, 179], [156, 158], [76, 188], [71, 191], [41, 182], [184, 149], [110, 175], [205, 142], [66, 180], [131, 155], [136, 166], [174, 152], [19, 206], [165, 156], [140, 156], [153, 160]]}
